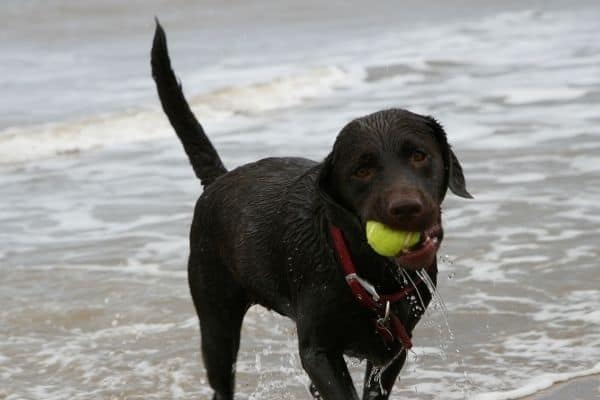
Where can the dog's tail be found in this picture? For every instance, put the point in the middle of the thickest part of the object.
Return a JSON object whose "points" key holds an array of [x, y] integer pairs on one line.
{"points": [[204, 158]]}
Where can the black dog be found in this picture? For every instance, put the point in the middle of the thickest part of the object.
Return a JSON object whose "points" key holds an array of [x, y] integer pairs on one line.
{"points": [[289, 234]]}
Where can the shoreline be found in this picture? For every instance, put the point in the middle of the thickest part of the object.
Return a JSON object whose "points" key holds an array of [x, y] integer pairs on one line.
{"points": [[582, 385], [583, 388]]}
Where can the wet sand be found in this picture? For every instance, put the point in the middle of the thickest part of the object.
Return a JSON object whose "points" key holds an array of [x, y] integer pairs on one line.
{"points": [[587, 388]]}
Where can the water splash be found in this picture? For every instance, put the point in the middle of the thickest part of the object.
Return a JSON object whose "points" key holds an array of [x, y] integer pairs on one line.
{"points": [[447, 259], [437, 298], [377, 373], [407, 276], [257, 363], [466, 384]]}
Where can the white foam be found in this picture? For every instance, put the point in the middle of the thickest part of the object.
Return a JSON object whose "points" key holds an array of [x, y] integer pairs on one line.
{"points": [[586, 164], [177, 392], [541, 382], [227, 105], [522, 177], [519, 96], [132, 268], [23, 144], [576, 306], [132, 329], [274, 94]]}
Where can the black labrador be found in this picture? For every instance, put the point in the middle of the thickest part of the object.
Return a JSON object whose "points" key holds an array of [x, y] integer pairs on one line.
{"points": [[263, 234]]}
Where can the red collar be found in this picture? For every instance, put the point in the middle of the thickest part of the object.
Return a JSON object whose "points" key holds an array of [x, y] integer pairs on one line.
{"points": [[387, 323]]}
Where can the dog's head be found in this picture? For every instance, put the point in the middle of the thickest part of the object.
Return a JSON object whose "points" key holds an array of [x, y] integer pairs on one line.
{"points": [[394, 167]]}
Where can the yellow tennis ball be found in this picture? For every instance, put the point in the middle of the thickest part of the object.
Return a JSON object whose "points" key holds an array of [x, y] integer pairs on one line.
{"points": [[388, 242]]}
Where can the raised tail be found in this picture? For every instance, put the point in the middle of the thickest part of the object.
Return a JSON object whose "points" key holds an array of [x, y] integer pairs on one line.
{"points": [[204, 158]]}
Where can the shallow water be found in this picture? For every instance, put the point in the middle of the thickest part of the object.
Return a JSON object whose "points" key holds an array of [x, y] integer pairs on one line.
{"points": [[97, 194]]}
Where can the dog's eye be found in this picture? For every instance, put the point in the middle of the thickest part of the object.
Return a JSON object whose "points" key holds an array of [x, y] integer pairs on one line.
{"points": [[364, 172], [418, 156]]}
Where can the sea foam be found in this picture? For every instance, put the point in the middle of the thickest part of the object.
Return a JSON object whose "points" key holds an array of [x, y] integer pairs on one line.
{"points": [[228, 105]]}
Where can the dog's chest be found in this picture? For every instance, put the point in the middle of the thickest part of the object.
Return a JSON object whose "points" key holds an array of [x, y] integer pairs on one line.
{"points": [[362, 338]]}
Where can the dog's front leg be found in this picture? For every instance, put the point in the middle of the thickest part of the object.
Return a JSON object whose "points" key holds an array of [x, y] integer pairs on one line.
{"points": [[378, 382], [323, 362], [321, 350], [328, 372]]}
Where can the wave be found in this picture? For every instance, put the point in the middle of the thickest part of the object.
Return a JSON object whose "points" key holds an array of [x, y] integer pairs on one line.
{"points": [[131, 268], [229, 104]]}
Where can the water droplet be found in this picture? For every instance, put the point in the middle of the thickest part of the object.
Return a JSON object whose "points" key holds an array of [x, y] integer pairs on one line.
{"points": [[257, 362], [414, 356], [447, 259]]}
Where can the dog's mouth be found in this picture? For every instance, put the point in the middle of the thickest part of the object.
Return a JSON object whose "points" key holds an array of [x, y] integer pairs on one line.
{"points": [[422, 254]]}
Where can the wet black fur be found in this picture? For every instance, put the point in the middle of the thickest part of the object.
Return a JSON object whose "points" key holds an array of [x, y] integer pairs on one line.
{"points": [[259, 236]]}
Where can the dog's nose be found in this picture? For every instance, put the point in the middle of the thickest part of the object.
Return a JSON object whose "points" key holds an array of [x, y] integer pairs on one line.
{"points": [[405, 207]]}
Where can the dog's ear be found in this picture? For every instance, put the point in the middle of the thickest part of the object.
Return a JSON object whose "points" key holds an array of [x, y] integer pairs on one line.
{"points": [[454, 180]]}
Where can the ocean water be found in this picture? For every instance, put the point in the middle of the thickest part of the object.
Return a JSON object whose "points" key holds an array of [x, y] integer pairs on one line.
{"points": [[97, 194]]}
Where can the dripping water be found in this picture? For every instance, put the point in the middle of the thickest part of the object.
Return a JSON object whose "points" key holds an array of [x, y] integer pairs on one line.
{"points": [[407, 276], [438, 299], [377, 373], [444, 312]]}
